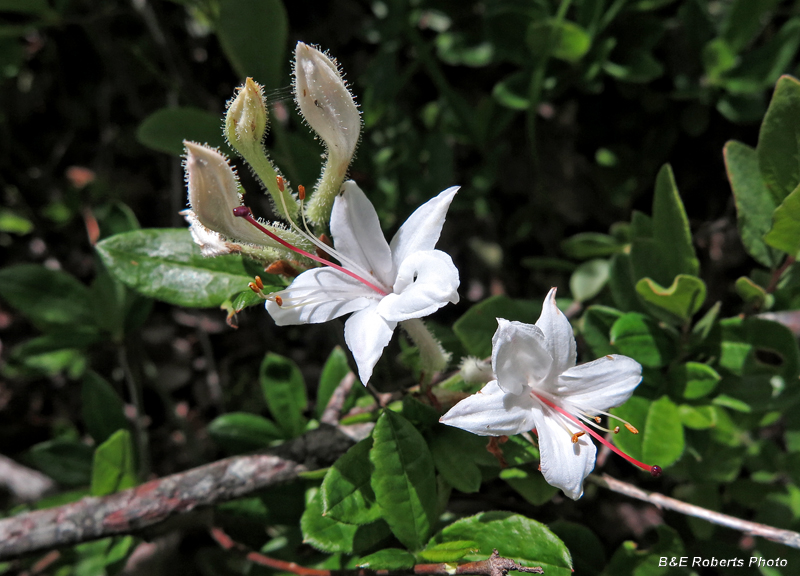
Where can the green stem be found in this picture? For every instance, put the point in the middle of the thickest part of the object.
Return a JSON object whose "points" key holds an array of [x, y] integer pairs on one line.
{"points": [[135, 392], [265, 171], [432, 356]]}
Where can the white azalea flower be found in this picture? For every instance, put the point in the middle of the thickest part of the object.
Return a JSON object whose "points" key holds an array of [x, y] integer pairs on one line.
{"points": [[380, 283], [539, 386]]}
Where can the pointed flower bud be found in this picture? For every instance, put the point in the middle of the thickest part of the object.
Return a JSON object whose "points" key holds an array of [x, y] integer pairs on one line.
{"points": [[246, 119], [328, 107]]}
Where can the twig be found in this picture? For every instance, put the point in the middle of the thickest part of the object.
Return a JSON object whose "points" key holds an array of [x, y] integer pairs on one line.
{"points": [[159, 500], [787, 537], [495, 565], [333, 410], [24, 484], [777, 273]]}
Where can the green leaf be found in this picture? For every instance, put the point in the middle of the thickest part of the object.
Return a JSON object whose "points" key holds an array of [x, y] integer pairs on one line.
{"points": [[637, 336], [629, 559], [590, 245], [102, 408], [335, 369], [565, 40], [113, 468], [779, 140], [718, 58], [530, 484], [253, 35], [451, 551], [588, 552], [703, 328], [621, 284], [67, 462], [660, 439], [404, 481], [328, 535], [743, 21], [239, 432], [754, 203], [662, 247], [514, 536], [477, 326], [387, 559], [595, 327], [37, 7], [14, 223], [698, 417], [285, 392], [166, 129], [752, 293], [48, 298], [167, 265], [694, 380], [346, 492], [454, 452], [589, 279], [680, 301], [511, 91], [785, 232]]}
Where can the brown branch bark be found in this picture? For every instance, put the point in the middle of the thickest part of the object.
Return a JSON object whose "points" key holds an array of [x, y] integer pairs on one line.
{"points": [[495, 565], [159, 500], [787, 537]]}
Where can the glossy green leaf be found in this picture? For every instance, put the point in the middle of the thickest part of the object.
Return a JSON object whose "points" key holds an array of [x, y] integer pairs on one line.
{"points": [[329, 535], [595, 328], [590, 245], [167, 265], [779, 140], [166, 129], [285, 393], [113, 468], [637, 336], [752, 293], [239, 432], [588, 552], [68, 462], [660, 439], [703, 328], [454, 453], [387, 559], [697, 417], [48, 298], [253, 35], [785, 232], [621, 284], [451, 551], [589, 279], [662, 246], [346, 492], [403, 479], [530, 484], [514, 536], [754, 203], [335, 369], [677, 303], [694, 380], [565, 40], [477, 326], [102, 408], [759, 346]]}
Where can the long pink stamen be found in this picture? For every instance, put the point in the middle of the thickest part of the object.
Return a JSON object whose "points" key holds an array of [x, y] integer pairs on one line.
{"points": [[654, 470], [244, 212]]}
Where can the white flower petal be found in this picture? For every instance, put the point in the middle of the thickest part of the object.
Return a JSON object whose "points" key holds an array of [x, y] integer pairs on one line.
{"points": [[560, 341], [319, 295], [492, 412], [425, 282], [422, 229], [357, 233], [519, 356], [367, 334], [601, 384], [563, 463]]}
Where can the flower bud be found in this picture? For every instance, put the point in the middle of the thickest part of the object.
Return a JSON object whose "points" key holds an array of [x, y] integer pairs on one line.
{"points": [[246, 119], [214, 193], [325, 102]]}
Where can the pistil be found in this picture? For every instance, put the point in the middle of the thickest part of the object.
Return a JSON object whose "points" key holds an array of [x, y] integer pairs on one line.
{"points": [[244, 212], [655, 471]]}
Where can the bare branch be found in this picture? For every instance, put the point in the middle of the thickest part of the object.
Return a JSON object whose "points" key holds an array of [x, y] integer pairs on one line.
{"points": [[787, 537], [159, 500], [24, 484]]}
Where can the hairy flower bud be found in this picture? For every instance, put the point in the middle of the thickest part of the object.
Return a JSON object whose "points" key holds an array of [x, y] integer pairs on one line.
{"points": [[246, 119], [325, 101], [214, 193]]}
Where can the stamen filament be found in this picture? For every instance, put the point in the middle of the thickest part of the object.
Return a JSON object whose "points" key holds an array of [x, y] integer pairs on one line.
{"points": [[654, 470], [244, 212]]}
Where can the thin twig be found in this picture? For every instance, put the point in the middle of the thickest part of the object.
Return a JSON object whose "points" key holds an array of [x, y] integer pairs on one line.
{"points": [[777, 273], [495, 565], [787, 537], [157, 501], [333, 410], [135, 392]]}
